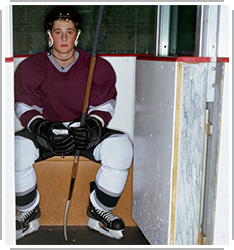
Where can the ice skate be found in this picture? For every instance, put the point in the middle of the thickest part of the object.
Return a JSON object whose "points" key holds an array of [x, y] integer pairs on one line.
{"points": [[27, 222], [106, 223]]}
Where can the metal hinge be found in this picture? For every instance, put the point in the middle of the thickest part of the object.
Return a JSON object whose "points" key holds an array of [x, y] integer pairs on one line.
{"points": [[209, 128], [201, 238]]}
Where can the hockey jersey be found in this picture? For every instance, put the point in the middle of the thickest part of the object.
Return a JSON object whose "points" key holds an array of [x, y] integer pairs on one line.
{"points": [[41, 89]]}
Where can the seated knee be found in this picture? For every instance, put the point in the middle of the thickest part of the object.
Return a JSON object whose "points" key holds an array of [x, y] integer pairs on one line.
{"points": [[118, 150]]}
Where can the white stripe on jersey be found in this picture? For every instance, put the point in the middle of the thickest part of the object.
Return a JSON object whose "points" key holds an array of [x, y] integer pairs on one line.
{"points": [[106, 107], [21, 108]]}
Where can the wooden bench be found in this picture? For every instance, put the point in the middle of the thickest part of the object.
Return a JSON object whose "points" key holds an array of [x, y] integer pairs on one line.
{"points": [[54, 177]]}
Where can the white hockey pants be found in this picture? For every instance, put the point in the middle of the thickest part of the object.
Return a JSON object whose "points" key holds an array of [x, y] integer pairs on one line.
{"points": [[115, 154]]}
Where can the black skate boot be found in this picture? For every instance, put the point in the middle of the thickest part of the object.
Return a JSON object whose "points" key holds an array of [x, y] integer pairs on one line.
{"points": [[112, 225], [27, 222]]}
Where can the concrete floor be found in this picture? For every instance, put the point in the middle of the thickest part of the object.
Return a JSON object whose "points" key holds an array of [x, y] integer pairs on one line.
{"points": [[81, 235]]}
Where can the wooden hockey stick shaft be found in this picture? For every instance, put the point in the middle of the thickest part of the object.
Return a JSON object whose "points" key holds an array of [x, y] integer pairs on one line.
{"points": [[83, 116]]}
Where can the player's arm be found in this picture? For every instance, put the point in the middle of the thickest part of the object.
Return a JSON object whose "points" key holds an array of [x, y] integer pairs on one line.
{"points": [[29, 109]]}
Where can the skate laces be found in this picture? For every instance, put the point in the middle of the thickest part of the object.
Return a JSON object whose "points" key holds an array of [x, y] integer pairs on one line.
{"points": [[108, 216], [21, 216]]}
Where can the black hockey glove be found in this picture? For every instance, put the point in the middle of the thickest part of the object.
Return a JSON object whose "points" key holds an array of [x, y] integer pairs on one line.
{"points": [[88, 135], [53, 136]]}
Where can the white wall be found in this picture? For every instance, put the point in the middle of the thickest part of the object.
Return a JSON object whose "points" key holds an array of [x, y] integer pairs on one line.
{"points": [[8, 134], [124, 114]]}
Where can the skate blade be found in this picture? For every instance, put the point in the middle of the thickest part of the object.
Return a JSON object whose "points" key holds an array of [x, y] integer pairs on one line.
{"points": [[115, 234], [33, 227]]}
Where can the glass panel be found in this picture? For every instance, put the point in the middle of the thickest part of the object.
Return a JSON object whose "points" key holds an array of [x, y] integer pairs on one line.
{"points": [[186, 30], [125, 29]]}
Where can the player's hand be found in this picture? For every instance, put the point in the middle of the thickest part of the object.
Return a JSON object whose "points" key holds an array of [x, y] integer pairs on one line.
{"points": [[88, 135], [53, 136]]}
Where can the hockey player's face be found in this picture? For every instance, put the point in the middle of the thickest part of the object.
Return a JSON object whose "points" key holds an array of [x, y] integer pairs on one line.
{"points": [[64, 34]]}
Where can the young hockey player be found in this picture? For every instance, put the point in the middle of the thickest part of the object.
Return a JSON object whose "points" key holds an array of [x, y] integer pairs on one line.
{"points": [[49, 94]]}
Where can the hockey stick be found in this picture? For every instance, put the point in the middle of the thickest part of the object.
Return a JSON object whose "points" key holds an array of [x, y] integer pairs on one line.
{"points": [[83, 116]]}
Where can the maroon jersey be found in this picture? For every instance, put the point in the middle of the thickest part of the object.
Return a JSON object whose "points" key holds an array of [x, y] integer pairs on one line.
{"points": [[41, 88]]}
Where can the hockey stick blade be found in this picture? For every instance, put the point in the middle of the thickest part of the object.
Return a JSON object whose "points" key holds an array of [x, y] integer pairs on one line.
{"points": [[65, 219]]}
